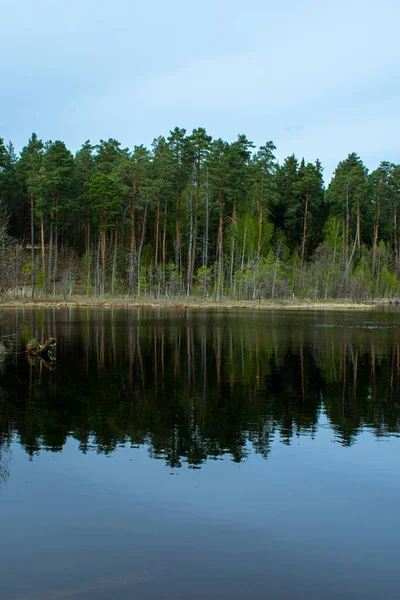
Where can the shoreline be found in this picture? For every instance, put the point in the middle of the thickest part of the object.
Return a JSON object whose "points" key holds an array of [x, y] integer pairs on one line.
{"points": [[148, 303]]}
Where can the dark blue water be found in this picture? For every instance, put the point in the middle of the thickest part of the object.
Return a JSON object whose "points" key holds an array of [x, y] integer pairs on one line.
{"points": [[201, 455]]}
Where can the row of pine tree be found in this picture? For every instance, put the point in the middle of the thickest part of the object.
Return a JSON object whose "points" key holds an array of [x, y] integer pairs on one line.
{"points": [[193, 215]]}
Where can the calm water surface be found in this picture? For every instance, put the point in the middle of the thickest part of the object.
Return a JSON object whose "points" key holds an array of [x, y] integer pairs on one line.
{"points": [[192, 454]]}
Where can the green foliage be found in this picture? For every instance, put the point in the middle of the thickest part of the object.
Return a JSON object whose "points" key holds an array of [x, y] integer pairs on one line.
{"points": [[27, 268], [41, 281], [189, 202], [104, 200], [348, 194], [204, 279], [143, 285]]}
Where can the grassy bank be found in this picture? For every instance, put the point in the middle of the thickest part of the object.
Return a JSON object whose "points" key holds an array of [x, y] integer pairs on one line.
{"points": [[194, 303]]}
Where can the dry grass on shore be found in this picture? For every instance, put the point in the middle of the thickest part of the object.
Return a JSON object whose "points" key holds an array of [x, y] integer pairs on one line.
{"points": [[192, 303]]}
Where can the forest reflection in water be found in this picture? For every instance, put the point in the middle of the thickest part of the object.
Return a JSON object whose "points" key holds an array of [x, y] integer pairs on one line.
{"points": [[196, 385]]}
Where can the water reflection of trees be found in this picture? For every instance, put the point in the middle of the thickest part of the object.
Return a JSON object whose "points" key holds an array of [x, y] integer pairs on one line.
{"points": [[5, 431], [196, 388], [8, 340]]}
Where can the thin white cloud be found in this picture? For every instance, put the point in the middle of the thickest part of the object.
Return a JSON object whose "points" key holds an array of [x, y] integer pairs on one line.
{"points": [[317, 77]]}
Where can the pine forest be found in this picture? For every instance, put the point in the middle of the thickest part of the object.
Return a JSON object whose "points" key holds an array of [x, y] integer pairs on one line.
{"points": [[194, 216]]}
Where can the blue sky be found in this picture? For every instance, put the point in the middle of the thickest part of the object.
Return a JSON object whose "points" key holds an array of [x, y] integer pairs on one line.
{"points": [[318, 77]]}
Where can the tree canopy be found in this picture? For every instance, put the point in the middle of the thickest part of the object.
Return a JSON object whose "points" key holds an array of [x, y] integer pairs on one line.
{"points": [[196, 215]]}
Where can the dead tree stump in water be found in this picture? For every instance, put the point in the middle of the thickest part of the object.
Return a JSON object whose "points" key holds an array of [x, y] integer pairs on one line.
{"points": [[35, 348]]}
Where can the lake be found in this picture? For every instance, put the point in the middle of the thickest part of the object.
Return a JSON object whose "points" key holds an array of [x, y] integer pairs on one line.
{"points": [[200, 454]]}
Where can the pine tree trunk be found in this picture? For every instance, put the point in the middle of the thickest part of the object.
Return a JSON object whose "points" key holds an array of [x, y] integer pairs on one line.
{"points": [[233, 245], [206, 230], [177, 224], [55, 246], [42, 243], [195, 225], [114, 267], [244, 248], [89, 258], [303, 245], [358, 223], [190, 256], [156, 233], [396, 248], [88, 237], [132, 241], [376, 234], [33, 271], [98, 269], [103, 258], [260, 217], [139, 254], [50, 265], [164, 241], [278, 250], [347, 225], [220, 243], [350, 258], [55, 259]]}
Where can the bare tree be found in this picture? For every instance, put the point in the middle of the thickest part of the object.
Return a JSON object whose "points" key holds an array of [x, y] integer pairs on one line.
{"points": [[11, 256]]}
